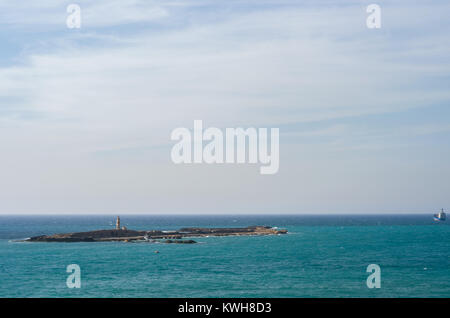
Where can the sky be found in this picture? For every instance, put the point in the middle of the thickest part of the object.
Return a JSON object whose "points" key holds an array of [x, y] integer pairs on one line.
{"points": [[86, 114]]}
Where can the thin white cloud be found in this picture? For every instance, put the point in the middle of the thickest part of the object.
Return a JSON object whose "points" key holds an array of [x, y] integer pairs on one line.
{"points": [[70, 102], [100, 13]]}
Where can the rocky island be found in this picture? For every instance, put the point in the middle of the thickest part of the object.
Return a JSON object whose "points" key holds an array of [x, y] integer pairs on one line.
{"points": [[126, 235]]}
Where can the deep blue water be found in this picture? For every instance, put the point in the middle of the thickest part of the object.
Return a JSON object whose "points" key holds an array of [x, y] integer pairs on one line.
{"points": [[322, 256]]}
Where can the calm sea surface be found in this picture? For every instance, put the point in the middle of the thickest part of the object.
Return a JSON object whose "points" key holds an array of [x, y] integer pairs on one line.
{"points": [[322, 256]]}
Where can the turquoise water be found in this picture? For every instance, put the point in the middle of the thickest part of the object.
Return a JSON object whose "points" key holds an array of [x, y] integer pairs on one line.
{"points": [[322, 256]]}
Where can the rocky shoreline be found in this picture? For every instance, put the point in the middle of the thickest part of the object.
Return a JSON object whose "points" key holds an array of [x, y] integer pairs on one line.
{"points": [[126, 235]]}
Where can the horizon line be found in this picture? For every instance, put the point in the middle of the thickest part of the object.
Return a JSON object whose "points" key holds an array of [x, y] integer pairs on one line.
{"points": [[215, 214]]}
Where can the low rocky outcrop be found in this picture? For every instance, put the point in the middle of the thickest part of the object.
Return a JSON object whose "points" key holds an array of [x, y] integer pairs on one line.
{"points": [[126, 235], [179, 241]]}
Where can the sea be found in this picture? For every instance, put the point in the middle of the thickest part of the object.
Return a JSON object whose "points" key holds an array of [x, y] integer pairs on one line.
{"points": [[321, 256]]}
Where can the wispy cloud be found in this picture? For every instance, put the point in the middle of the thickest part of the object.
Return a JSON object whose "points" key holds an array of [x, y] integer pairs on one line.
{"points": [[138, 69], [52, 14]]}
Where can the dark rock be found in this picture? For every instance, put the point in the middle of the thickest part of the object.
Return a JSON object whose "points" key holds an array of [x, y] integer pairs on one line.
{"points": [[180, 241], [171, 237]]}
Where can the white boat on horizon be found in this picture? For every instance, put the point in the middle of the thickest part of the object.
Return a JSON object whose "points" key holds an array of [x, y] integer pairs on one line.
{"points": [[441, 216]]}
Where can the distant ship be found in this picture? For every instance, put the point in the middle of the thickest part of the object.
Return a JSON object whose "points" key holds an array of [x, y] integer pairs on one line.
{"points": [[441, 216]]}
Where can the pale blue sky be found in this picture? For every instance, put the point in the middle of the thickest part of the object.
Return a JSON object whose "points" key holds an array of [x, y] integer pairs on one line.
{"points": [[86, 114]]}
